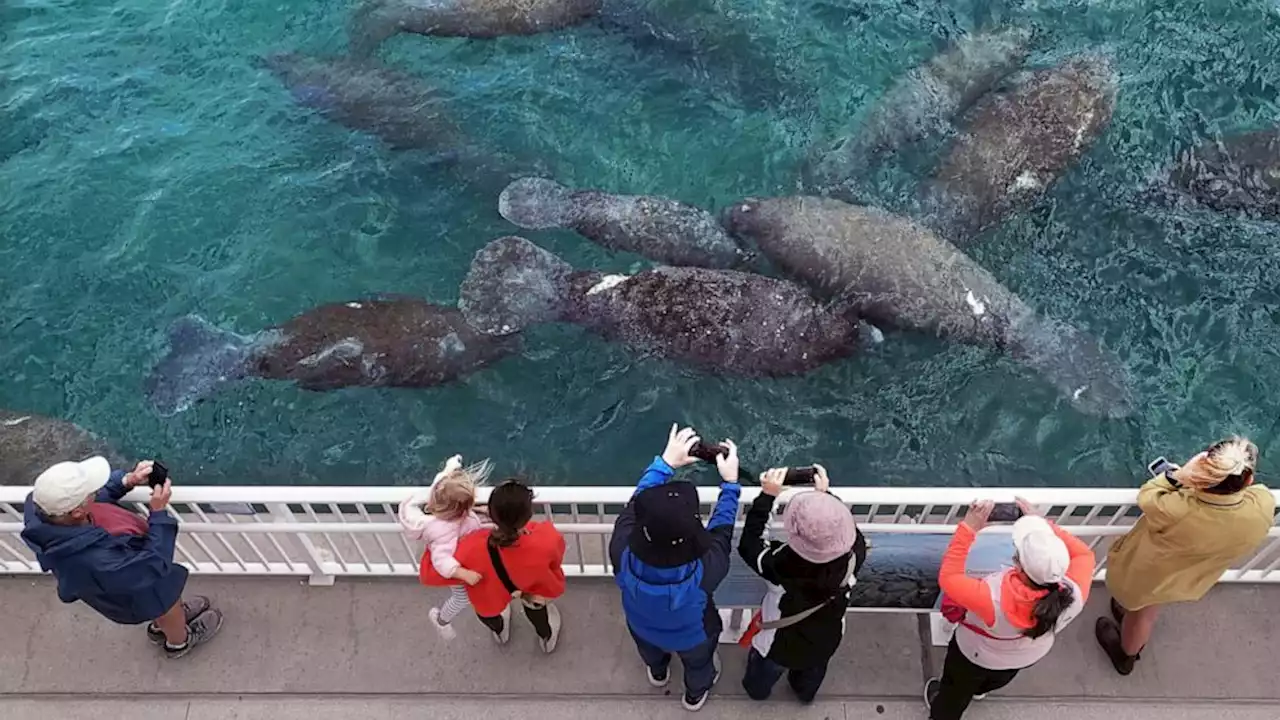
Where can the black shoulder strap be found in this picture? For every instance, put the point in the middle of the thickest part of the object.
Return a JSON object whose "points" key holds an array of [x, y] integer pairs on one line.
{"points": [[501, 570]]}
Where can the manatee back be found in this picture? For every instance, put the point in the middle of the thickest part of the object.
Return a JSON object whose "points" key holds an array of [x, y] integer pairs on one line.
{"points": [[723, 320], [30, 443]]}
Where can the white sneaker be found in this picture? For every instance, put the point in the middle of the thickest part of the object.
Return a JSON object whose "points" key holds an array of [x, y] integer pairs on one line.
{"points": [[505, 635], [553, 619], [695, 704], [446, 630], [983, 696], [656, 681]]}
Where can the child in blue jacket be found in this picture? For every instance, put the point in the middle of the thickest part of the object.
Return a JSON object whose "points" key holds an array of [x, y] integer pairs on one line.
{"points": [[668, 566]]}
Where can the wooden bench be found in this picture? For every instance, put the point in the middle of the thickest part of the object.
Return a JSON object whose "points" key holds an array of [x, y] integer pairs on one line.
{"points": [[900, 575]]}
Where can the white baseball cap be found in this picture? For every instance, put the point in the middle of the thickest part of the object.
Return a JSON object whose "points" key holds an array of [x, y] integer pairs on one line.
{"points": [[65, 486], [1041, 553]]}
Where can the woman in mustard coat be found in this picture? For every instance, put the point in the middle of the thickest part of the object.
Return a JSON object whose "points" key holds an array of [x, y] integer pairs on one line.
{"points": [[1196, 521]]}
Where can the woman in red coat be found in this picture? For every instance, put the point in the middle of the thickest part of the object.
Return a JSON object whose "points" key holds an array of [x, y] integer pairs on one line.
{"points": [[530, 553]]}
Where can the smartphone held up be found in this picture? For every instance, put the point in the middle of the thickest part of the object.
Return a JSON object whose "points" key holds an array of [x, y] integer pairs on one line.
{"points": [[1005, 512], [159, 474]]}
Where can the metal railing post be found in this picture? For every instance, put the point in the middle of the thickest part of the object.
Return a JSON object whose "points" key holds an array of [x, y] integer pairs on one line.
{"points": [[314, 556]]}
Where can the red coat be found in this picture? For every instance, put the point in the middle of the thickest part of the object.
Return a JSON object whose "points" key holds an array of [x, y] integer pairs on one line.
{"points": [[533, 563]]}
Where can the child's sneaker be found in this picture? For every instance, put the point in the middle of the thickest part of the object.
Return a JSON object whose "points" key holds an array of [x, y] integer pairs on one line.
{"points": [[445, 629], [658, 679]]}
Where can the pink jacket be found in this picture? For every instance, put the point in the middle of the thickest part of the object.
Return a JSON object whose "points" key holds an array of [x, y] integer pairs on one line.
{"points": [[441, 536]]}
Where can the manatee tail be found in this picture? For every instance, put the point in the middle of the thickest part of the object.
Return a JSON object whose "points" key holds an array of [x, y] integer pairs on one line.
{"points": [[201, 358], [511, 285], [1089, 376], [536, 204]]}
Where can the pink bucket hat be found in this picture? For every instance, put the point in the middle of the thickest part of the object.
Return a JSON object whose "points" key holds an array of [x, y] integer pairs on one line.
{"points": [[819, 526]]}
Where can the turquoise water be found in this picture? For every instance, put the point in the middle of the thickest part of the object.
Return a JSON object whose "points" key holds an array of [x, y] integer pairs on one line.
{"points": [[150, 169]]}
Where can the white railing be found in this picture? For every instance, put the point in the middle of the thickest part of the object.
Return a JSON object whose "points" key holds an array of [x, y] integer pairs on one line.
{"points": [[323, 532]]}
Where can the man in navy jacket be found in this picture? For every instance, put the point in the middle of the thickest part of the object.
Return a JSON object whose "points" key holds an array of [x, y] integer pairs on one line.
{"points": [[114, 560], [668, 566]]}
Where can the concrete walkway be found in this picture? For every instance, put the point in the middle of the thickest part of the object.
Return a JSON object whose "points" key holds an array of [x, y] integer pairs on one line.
{"points": [[363, 649]]}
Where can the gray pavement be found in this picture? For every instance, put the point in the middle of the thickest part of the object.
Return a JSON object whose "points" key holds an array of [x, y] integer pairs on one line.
{"points": [[363, 649]]}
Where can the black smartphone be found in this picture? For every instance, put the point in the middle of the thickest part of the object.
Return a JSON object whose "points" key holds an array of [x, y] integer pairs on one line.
{"points": [[1160, 466], [707, 453], [800, 476], [1005, 512], [159, 474]]}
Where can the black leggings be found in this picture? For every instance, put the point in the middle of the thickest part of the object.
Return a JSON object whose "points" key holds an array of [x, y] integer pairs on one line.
{"points": [[961, 680], [537, 615]]}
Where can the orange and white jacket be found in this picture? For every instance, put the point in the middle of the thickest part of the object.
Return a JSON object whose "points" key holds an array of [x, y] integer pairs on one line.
{"points": [[1001, 605]]}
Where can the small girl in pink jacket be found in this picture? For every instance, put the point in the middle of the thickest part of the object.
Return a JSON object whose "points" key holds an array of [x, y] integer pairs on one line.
{"points": [[439, 515]]}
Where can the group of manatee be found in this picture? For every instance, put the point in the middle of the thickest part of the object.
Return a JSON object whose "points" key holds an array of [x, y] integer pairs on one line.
{"points": [[769, 287]]}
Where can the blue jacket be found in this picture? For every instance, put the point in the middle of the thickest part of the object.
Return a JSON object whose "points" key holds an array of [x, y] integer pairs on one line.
{"points": [[673, 607], [129, 579]]}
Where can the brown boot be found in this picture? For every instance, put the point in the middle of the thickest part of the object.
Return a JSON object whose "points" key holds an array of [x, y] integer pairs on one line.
{"points": [[1108, 633]]}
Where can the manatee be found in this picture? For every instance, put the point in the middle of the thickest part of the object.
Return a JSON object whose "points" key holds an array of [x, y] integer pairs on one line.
{"points": [[719, 320], [1017, 143], [392, 342], [30, 443], [923, 102], [365, 96], [1239, 173], [377, 20], [658, 228], [897, 274]]}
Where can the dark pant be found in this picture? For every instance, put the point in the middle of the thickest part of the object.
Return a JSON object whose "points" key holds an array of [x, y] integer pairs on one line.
{"points": [[699, 663], [961, 680], [763, 674], [537, 615]]}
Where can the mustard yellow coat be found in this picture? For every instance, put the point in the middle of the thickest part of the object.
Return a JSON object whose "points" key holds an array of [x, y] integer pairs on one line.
{"points": [[1184, 541]]}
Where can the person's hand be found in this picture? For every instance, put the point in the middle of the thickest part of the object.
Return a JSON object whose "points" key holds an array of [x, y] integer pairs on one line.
{"points": [[821, 482], [679, 443], [728, 464], [771, 481], [138, 475], [979, 511], [1027, 508], [160, 496], [470, 577]]}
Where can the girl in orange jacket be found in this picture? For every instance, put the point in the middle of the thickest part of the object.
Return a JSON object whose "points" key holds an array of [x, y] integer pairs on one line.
{"points": [[1010, 617]]}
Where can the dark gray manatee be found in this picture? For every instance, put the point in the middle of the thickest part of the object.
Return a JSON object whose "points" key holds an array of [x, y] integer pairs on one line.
{"points": [[1239, 173], [377, 20], [923, 103], [658, 228], [394, 342], [898, 274], [1017, 143], [720, 320], [363, 95], [29, 444]]}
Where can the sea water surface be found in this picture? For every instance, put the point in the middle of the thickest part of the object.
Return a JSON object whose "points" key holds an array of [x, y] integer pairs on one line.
{"points": [[150, 168]]}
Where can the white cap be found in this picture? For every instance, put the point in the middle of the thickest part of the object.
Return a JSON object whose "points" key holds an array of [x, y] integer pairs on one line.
{"points": [[65, 486], [1041, 553]]}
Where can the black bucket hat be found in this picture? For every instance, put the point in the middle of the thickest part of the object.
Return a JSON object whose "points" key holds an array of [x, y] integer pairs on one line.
{"points": [[669, 530]]}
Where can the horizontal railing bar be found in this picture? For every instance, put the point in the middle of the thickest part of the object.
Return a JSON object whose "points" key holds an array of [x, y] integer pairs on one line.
{"points": [[304, 528], [567, 495]]}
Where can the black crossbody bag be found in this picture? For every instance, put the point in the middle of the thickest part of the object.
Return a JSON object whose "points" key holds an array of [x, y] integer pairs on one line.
{"points": [[498, 567]]}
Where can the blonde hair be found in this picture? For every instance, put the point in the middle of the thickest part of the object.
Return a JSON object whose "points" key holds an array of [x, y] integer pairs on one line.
{"points": [[1235, 457], [453, 494]]}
